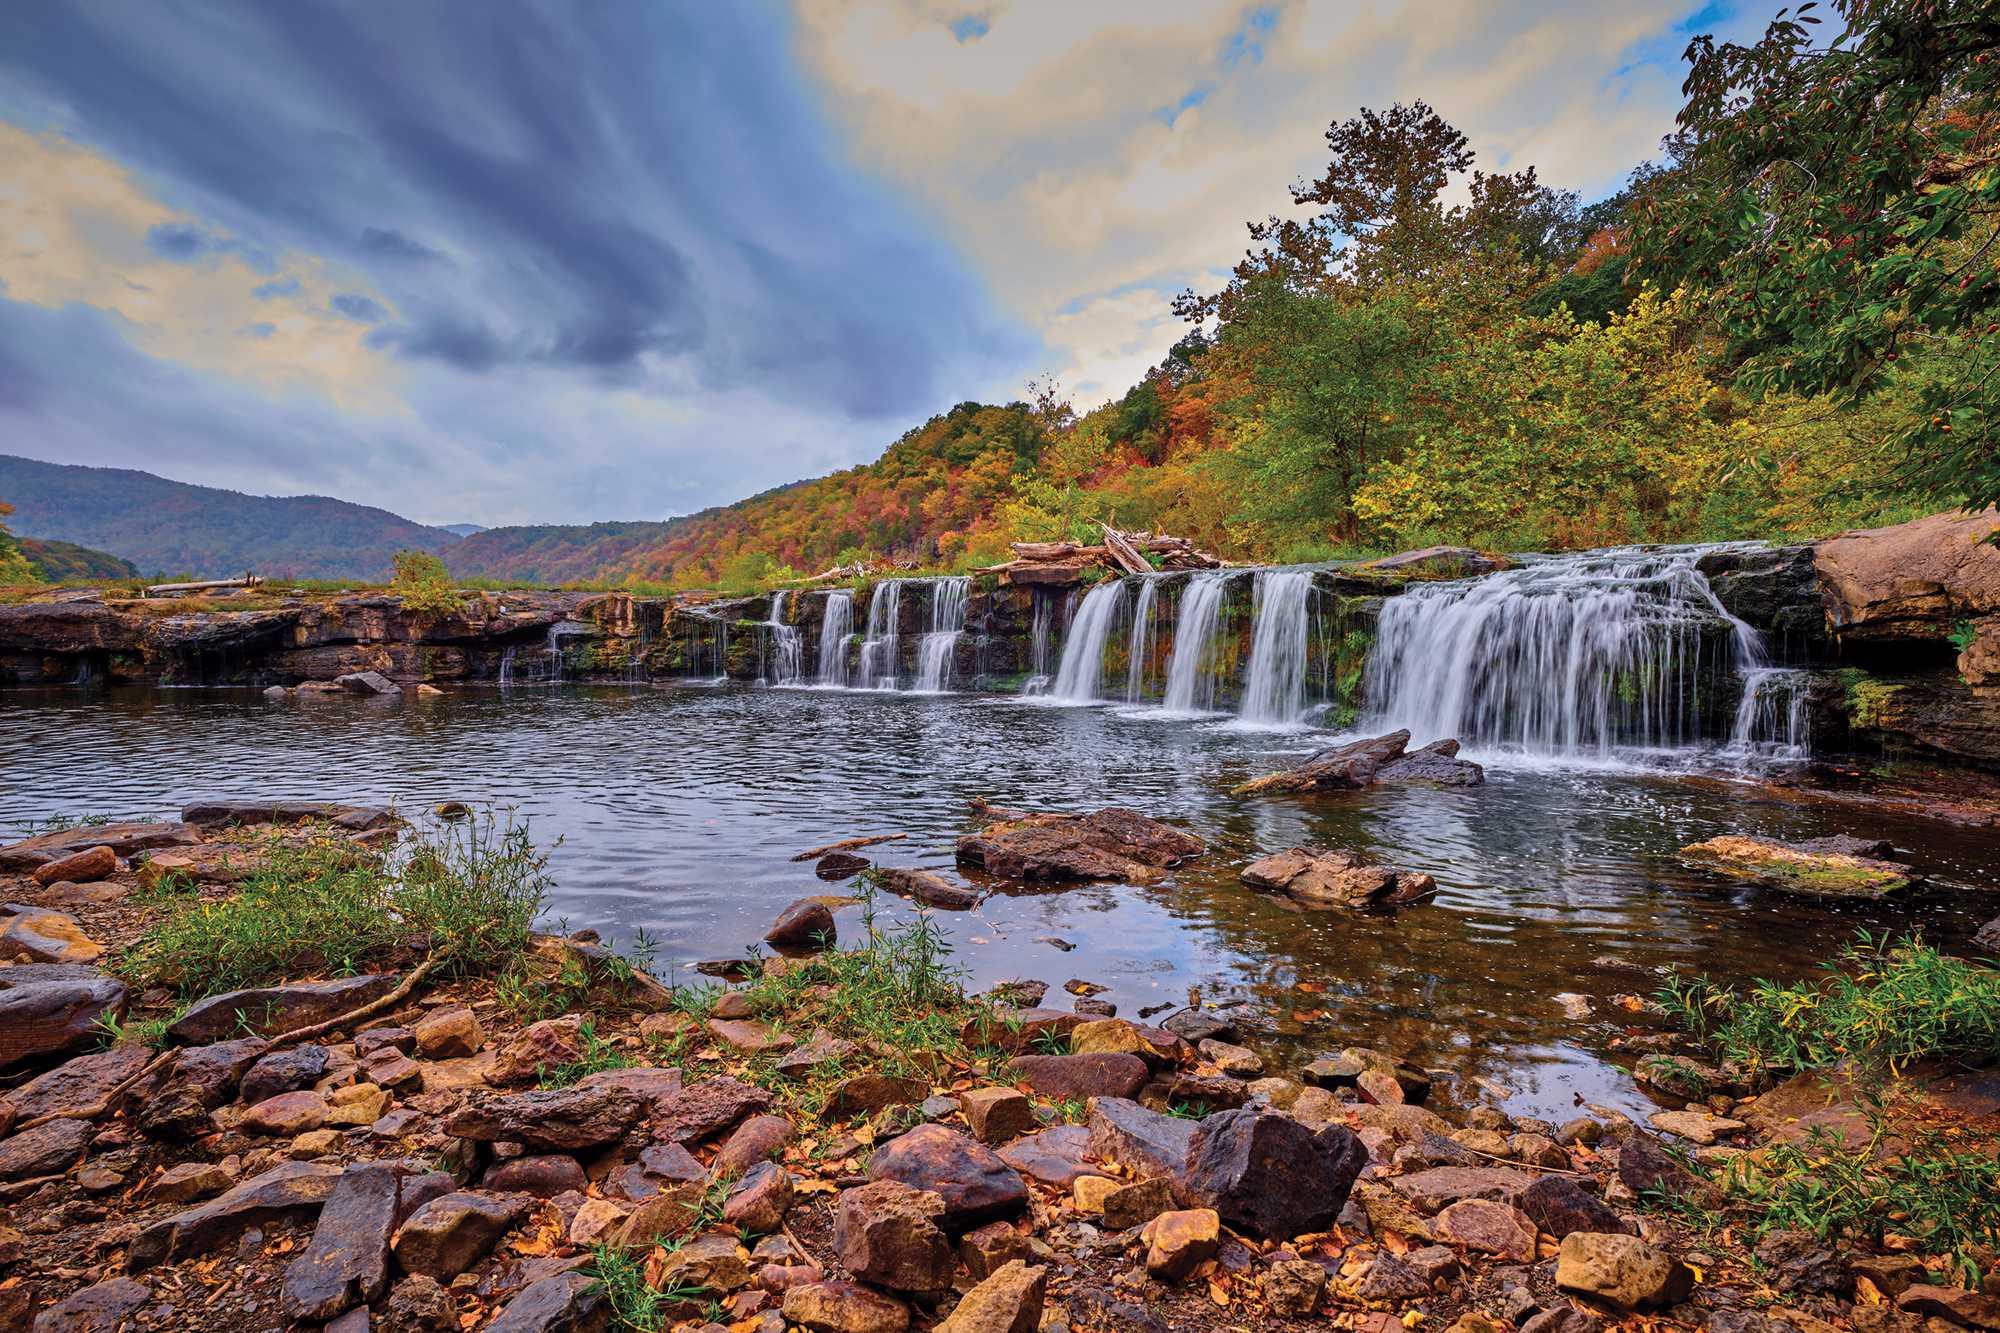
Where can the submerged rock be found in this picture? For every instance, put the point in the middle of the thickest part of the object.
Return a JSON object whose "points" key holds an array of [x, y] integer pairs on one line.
{"points": [[1112, 843], [1827, 868], [1364, 763], [1321, 877]]}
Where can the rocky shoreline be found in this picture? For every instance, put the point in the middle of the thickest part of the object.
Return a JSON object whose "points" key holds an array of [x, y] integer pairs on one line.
{"points": [[837, 1140]]}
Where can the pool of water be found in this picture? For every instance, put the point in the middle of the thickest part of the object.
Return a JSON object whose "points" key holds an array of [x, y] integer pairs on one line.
{"points": [[679, 809]]}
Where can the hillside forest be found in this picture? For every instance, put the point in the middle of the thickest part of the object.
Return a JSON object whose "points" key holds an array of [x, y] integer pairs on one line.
{"points": [[1784, 325]]}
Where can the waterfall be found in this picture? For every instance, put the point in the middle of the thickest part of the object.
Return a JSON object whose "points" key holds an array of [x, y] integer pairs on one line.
{"points": [[1041, 624], [1274, 683], [507, 666], [948, 601], [1563, 655], [836, 627], [1191, 669], [1774, 718], [554, 651], [1141, 646], [1082, 669], [878, 645], [785, 665]]}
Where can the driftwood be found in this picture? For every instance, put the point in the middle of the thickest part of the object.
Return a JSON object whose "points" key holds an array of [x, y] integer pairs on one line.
{"points": [[848, 845], [1122, 553], [210, 585]]}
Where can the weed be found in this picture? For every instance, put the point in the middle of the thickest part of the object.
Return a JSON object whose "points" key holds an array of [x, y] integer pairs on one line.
{"points": [[1189, 1110], [594, 1053], [1963, 634], [1050, 1041], [150, 1032], [166, 890], [635, 1302]]}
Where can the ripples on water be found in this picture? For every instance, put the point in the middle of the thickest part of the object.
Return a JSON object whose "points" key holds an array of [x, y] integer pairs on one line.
{"points": [[679, 811]]}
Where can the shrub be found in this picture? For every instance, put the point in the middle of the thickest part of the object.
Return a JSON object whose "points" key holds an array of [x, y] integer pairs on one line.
{"points": [[424, 584]]}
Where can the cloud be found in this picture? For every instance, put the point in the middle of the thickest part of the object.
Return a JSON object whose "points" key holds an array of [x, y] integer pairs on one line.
{"points": [[359, 308]]}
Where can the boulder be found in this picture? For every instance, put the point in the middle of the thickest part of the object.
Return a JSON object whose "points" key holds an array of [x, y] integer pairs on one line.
{"points": [[871, 1093], [1622, 1270], [1318, 877], [269, 1010], [106, 1307], [1439, 1187], [926, 888], [565, 1303], [997, 1115], [705, 1109], [757, 1139], [45, 1150], [1800, 867], [1914, 582], [447, 1235], [286, 1070], [561, 1120], [123, 839], [843, 1307], [38, 936], [1489, 1227], [759, 1201], [1009, 1301], [351, 818], [975, 1185], [1437, 764], [1108, 844], [807, 923], [1968, 1309], [891, 1234], [200, 1079], [76, 1084], [347, 1261], [84, 867], [1558, 1205], [1055, 1156], [190, 1181], [1268, 1175], [448, 1034], [367, 682], [1077, 1077], [1178, 1243], [1363, 763], [286, 1115], [1143, 1142], [288, 1192], [544, 1175]]}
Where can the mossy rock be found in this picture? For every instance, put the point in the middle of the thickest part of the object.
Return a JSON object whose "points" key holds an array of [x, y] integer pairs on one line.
{"points": [[1795, 868]]}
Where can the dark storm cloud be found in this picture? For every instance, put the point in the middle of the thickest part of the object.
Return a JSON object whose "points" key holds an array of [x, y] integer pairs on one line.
{"points": [[624, 192]]}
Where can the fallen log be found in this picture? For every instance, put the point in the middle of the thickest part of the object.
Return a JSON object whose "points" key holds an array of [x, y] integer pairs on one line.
{"points": [[208, 585], [1122, 553], [848, 845]]}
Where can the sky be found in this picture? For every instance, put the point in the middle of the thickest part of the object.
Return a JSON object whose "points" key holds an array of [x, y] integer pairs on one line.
{"points": [[499, 261]]}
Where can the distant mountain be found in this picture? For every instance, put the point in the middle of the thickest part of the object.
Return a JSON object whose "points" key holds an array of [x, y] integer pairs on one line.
{"points": [[66, 562], [462, 529], [169, 527]]}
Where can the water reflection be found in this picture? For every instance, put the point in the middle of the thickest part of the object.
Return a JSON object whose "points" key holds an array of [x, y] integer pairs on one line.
{"points": [[679, 811]]}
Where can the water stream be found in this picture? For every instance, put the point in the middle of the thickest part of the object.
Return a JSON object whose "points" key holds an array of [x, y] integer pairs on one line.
{"points": [[784, 663], [949, 597], [1080, 676], [1274, 682], [1191, 670], [836, 627], [879, 642]]}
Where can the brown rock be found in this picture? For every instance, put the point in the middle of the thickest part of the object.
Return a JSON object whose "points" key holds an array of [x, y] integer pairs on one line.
{"points": [[285, 1115], [707, 1108], [1327, 878], [655, 1088], [84, 867], [892, 1235], [1055, 1156], [447, 1235], [1441, 1186], [666, 1215], [1489, 1227], [123, 839], [75, 1084], [1020, 1029], [104, 1308], [870, 1094], [985, 1250], [1800, 867], [1621, 1269], [1340, 767], [747, 1036], [758, 1202], [1178, 1243], [997, 1115], [1293, 1287], [562, 1120], [347, 1262], [1077, 1077], [288, 1192], [714, 1262], [37, 936], [566, 1303], [45, 1150], [807, 923], [283, 1071], [190, 1181], [931, 890], [1970, 1309], [420, 1305], [448, 1034], [541, 1045], [1137, 1203], [976, 1186], [843, 1307], [274, 1009], [1009, 1301], [1559, 1206], [822, 1048], [543, 1175], [1143, 1142], [756, 1139], [1106, 844], [1268, 1175]]}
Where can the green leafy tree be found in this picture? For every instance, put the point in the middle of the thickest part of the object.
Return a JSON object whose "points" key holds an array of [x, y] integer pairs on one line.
{"points": [[424, 584], [14, 566], [1837, 195]]}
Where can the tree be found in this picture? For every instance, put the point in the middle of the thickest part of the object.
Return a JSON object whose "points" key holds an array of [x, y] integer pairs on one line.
{"points": [[424, 584], [1840, 201], [14, 566]]}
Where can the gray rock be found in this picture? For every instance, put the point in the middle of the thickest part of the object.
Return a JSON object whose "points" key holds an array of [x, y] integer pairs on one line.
{"points": [[271, 1009], [1268, 1175], [347, 1261]]}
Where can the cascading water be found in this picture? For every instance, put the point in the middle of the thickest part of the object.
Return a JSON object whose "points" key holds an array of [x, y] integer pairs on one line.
{"points": [[1774, 717], [878, 645], [1191, 675], [1573, 655], [948, 602], [1141, 647], [1041, 626], [836, 627], [1274, 682], [1081, 673], [784, 664]]}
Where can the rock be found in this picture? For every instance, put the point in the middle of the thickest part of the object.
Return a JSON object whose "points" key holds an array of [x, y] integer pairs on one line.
{"points": [[447, 1235], [1177, 1243], [1361, 763], [1644, 1165], [543, 1175], [656, 1089], [1439, 1187], [37, 936], [561, 1120], [1563, 1318], [1912, 582], [871, 1094], [985, 1250], [420, 1305], [931, 890], [1020, 1029], [1268, 1175], [1198, 1025], [1489, 1227], [351, 818], [755, 1140], [289, 1192], [1293, 1288], [76, 1084], [565, 1303], [747, 1036], [595, 1221], [1235, 1061], [706, 1109], [1100, 1309], [1797, 868], [190, 1181], [1892, 1274], [1128, 1206], [759, 1201], [713, 1263], [1968, 1308], [997, 1115], [1987, 937], [1053, 1156], [45, 1150], [975, 1185], [1143, 1142], [314, 1143], [819, 1049], [448, 1034], [840, 865], [283, 1071], [374, 1041], [1205, 1092], [266, 1010], [84, 867], [807, 923], [1621, 1269], [367, 682], [1107, 1036], [544, 1044], [1009, 1301], [1318, 877], [1559, 1206], [286, 1115], [1111, 844], [843, 1307], [1437, 764], [1390, 1280], [1077, 1077], [1800, 1261], [122, 838], [104, 1308], [347, 1261], [892, 1235], [1695, 1126]]}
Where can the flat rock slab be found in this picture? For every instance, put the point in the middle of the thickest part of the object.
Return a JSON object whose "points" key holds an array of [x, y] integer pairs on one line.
{"points": [[1441, 1186], [123, 839], [358, 818], [1334, 877], [1055, 1156], [558, 1120], [288, 1192], [45, 1150], [1108, 844], [1078, 1077], [347, 1261], [80, 1083], [1364, 763], [52, 1008], [1800, 867], [272, 1009]]}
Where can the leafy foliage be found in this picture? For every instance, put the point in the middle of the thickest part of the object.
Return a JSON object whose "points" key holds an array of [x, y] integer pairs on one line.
{"points": [[424, 584], [14, 566]]}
